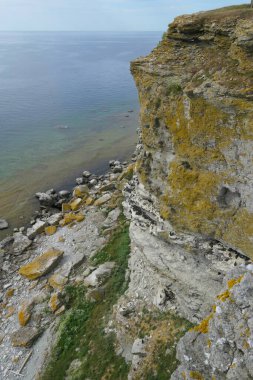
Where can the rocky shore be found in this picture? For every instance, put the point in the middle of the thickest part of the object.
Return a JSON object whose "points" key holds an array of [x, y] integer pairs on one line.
{"points": [[146, 272], [37, 262]]}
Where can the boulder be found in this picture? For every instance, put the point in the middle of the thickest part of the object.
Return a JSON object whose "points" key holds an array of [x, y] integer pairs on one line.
{"points": [[50, 230], [55, 302], [79, 181], [45, 199], [86, 174], [25, 336], [3, 224], [54, 219], [36, 229], [117, 169], [64, 193], [81, 191], [21, 243], [99, 275], [75, 205], [57, 281], [24, 313], [112, 217], [42, 264]]}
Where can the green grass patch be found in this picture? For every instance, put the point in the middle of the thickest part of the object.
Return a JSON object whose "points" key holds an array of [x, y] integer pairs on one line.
{"points": [[81, 333]]}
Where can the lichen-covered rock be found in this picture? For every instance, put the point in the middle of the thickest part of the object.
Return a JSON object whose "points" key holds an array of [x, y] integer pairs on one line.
{"points": [[50, 230], [41, 265], [75, 205], [221, 346], [196, 97], [24, 313], [55, 302]]}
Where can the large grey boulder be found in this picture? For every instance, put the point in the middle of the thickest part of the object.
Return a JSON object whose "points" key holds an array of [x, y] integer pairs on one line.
{"points": [[99, 275], [3, 224]]}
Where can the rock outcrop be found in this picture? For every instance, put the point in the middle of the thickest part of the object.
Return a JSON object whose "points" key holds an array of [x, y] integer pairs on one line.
{"points": [[196, 97], [191, 202]]}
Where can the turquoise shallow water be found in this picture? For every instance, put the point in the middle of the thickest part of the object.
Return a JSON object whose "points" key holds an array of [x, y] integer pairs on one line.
{"points": [[64, 102]]}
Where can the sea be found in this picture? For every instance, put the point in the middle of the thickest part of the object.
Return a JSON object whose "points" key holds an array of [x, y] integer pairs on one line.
{"points": [[68, 103]]}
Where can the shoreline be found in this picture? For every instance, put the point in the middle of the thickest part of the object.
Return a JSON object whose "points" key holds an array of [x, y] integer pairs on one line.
{"points": [[19, 203]]}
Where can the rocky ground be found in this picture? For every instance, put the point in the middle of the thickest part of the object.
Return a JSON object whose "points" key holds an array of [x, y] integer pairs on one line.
{"points": [[39, 261]]}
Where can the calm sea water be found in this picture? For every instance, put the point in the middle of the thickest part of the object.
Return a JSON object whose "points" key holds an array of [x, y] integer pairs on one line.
{"points": [[64, 102]]}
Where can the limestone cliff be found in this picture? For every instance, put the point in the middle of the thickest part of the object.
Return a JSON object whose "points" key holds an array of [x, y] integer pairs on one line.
{"points": [[196, 92], [191, 200]]}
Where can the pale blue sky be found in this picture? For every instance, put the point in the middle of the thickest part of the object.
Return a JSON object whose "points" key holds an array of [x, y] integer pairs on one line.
{"points": [[101, 15]]}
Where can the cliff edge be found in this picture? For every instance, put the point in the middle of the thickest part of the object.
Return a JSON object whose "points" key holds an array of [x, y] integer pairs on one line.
{"points": [[196, 92]]}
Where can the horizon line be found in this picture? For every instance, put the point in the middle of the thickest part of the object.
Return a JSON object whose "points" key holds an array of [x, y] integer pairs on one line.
{"points": [[81, 31]]}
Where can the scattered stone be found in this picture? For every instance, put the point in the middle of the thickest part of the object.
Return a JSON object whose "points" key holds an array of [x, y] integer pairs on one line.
{"points": [[54, 219], [60, 311], [57, 281], [79, 181], [21, 243], [65, 207], [112, 217], [3, 224], [102, 200], [24, 313], [117, 169], [99, 275], [89, 201], [93, 182], [86, 174], [25, 336], [81, 191], [64, 193], [41, 265], [36, 229], [50, 230], [70, 218], [75, 205], [45, 199], [54, 302]]}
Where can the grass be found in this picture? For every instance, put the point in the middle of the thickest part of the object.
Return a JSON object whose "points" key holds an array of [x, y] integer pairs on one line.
{"points": [[81, 334]]}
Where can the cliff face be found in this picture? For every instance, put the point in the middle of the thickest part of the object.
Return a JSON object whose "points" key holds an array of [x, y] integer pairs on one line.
{"points": [[196, 92]]}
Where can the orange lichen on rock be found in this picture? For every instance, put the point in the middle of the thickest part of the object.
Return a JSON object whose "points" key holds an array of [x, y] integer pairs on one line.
{"points": [[196, 375], [41, 265], [234, 281], [75, 205], [65, 207], [54, 302], [24, 313], [71, 217], [224, 296], [50, 230]]}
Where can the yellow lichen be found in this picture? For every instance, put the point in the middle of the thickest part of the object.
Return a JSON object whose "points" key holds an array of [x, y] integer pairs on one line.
{"points": [[231, 283], [50, 230], [196, 375], [224, 296]]}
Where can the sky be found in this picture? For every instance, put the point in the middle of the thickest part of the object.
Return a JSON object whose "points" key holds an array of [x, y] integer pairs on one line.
{"points": [[98, 15]]}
